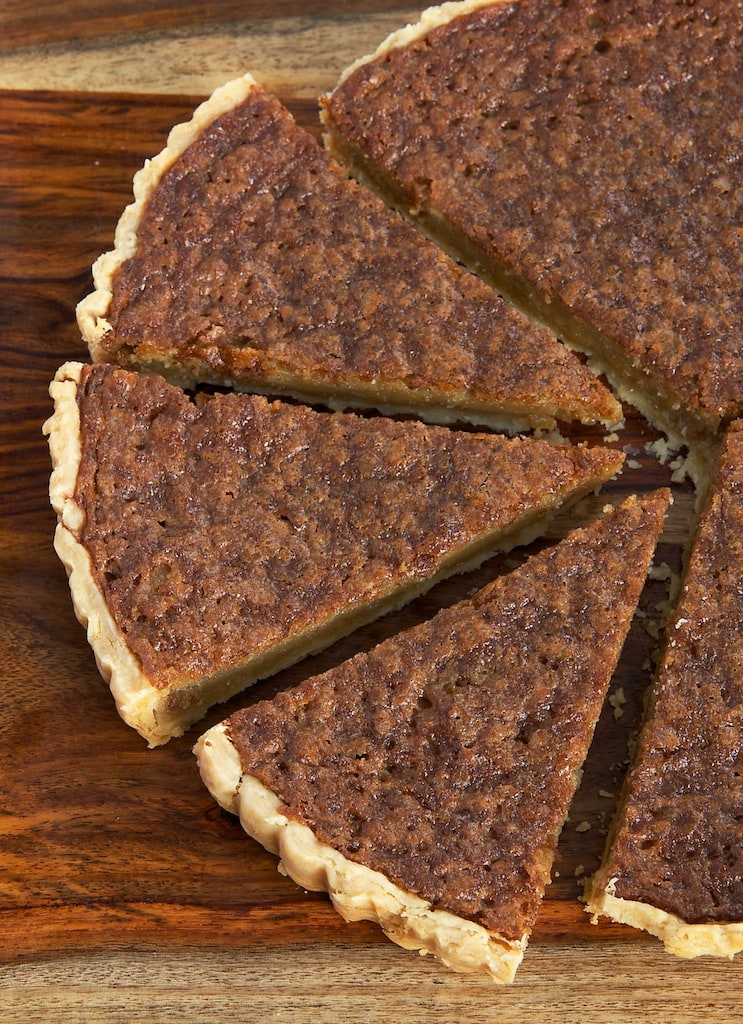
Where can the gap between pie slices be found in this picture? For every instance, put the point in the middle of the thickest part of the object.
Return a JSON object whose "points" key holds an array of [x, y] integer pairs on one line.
{"points": [[585, 158], [673, 864], [213, 542], [249, 258], [424, 784]]}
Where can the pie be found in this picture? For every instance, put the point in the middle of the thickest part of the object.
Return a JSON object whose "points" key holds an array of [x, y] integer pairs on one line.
{"points": [[585, 158], [250, 259], [674, 865], [214, 540], [424, 784]]}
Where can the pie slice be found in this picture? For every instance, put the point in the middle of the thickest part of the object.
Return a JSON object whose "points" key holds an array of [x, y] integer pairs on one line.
{"points": [[674, 865], [250, 259], [424, 784], [585, 158], [214, 541]]}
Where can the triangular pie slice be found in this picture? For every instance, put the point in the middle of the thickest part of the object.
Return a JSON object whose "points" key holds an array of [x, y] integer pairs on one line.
{"points": [[250, 259], [424, 784], [674, 863], [214, 541], [586, 159]]}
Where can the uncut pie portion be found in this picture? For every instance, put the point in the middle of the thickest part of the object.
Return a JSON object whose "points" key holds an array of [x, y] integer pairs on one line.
{"points": [[584, 156], [214, 541], [249, 258], [424, 784], [674, 864]]}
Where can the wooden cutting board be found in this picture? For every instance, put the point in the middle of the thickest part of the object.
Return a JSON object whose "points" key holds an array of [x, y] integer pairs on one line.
{"points": [[123, 889]]}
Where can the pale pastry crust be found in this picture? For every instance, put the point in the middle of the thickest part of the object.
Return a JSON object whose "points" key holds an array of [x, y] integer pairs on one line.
{"points": [[678, 936], [430, 19], [92, 310], [357, 892], [138, 703]]}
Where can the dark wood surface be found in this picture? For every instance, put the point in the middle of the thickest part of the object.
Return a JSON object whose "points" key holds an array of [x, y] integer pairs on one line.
{"points": [[124, 891]]}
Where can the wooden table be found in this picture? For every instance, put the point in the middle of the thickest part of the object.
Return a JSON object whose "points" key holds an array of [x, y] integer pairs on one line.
{"points": [[124, 892]]}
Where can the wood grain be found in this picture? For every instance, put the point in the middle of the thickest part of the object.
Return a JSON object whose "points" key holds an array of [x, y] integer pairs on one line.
{"points": [[27, 25], [124, 891], [190, 48], [364, 984]]}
